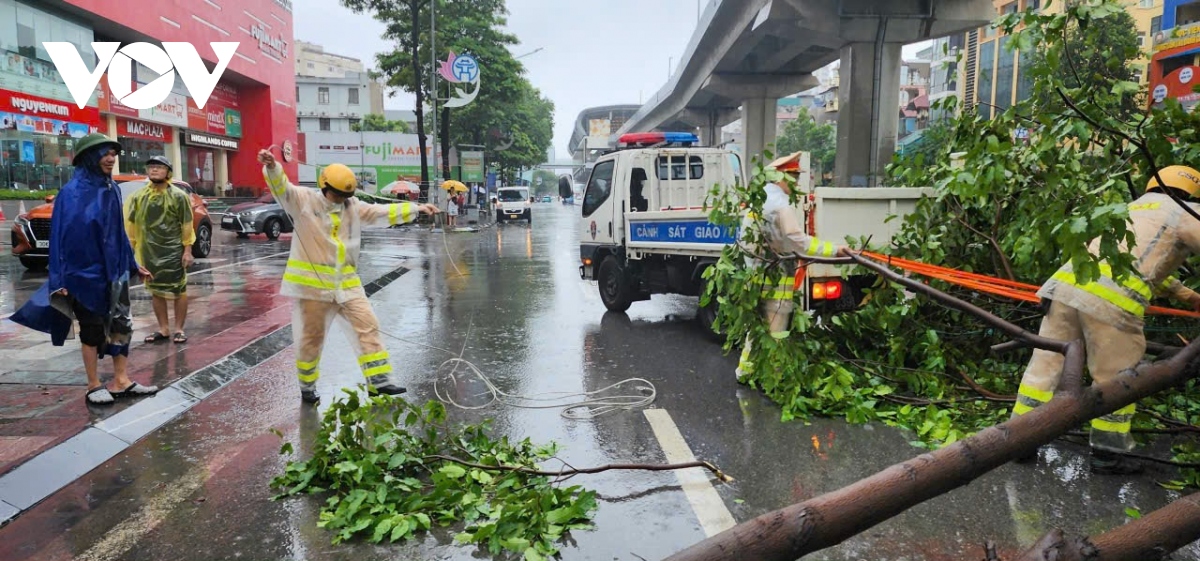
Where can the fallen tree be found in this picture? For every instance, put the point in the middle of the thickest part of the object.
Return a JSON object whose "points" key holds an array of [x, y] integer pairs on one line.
{"points": [[797, 530]]}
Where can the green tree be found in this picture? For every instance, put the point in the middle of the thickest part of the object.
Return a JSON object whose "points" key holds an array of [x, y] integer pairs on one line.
{"points": [[376, 122], [818, 140], [545, 182], [406, 24]]}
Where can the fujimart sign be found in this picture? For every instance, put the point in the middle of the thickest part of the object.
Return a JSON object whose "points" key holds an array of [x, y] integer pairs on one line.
{"points": [[118, 60]]}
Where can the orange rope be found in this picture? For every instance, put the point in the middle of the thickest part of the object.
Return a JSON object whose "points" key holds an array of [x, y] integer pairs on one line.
{"points": [[991, 285]]}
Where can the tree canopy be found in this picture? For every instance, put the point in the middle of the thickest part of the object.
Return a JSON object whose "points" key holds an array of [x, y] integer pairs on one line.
{"points": [[376, 122], [819, 140]]}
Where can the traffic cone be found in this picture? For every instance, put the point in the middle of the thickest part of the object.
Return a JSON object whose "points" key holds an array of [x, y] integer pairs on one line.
{"points": [[2, 218]]}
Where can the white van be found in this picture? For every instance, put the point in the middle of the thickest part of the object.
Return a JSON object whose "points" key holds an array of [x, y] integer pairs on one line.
{"points": [[514, 203]]}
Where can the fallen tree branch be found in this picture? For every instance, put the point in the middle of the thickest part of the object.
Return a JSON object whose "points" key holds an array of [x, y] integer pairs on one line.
{"points": [[576, 471], [1152, 536], [797, 530]]}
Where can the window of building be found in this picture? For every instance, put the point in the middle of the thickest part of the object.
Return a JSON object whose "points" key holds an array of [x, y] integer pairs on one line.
{"points": [[353, 96], [311, 65], [297, 94], [983, 92], [1004, 75], [323, 123], [323, 96], [1010, 8], [1024, 79], [1033, 5], [1145, 3], [1155, 25], [1141, 39]]}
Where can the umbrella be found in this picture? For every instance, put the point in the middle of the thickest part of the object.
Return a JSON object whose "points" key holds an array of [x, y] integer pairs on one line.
{"points": [[455, 186], [401, 187]]}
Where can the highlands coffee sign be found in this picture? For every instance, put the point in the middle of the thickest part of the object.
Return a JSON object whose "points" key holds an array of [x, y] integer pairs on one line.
{"points": [[210, 141]]}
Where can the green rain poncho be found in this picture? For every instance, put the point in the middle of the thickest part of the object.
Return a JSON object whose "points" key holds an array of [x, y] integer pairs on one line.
{"points": [[159, 224]]}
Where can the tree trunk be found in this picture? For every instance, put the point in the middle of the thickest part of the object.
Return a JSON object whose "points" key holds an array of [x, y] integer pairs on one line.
{"points": [[415, 7], [1146, 539], [445, 142], [797, 530]]}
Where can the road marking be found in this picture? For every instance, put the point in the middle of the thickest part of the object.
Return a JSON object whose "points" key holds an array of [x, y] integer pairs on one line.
{"points": [[709, 508]]}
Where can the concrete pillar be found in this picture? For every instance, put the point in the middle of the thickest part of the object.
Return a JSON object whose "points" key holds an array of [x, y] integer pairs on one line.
{"points": [[221, 173], [868, 112], [110, 129], [758, 128], [174, 154]]}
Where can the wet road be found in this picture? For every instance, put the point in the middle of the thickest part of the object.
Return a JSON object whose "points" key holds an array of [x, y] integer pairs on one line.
{"points": [[510, 300]]}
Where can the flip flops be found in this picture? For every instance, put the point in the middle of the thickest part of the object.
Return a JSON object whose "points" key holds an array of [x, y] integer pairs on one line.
{"points": [[179, 337], [155, 339], [99, 396], [136, 390]]}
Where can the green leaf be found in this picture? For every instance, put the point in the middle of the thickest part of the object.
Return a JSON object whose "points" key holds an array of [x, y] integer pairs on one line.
{"points": [[453, 471], [1133, 513], [531, 554]]}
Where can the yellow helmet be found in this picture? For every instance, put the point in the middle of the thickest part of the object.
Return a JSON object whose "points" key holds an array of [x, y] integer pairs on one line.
{"points": [[1183, 178], [339, 178]]}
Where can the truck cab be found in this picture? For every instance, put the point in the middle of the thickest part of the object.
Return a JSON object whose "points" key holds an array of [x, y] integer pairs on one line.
{"points": [[645, 228]]}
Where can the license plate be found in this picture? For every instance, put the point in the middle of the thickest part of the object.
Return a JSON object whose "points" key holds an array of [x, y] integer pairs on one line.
{"points": [[43, 244], [228, 220]]}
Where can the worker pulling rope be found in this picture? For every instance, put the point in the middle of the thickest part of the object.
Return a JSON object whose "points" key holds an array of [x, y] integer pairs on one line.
{"points": [[991, 285]]}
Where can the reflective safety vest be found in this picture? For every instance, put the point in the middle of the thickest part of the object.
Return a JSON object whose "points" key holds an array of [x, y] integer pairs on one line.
{"points": [[327, 237], [1164, 237]]}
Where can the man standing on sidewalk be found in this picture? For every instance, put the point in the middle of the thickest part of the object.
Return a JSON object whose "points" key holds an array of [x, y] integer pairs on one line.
{"points": [[158, 219], [322, 276], [90, 265]]}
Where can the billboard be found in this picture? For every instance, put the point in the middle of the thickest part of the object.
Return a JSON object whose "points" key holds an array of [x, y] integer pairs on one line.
{"points": [[378, 157], [472, 167]]}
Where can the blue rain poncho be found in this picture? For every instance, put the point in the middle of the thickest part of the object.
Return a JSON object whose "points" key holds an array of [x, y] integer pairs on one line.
{"points": [[90, 256]]}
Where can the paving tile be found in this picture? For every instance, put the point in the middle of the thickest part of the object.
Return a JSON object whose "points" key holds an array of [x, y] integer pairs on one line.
{"points": [[146, 414], [7, 512], [55, 468], [44, 377]]}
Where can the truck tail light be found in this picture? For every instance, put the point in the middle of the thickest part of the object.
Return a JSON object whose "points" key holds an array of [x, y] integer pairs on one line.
{"points": [[587, 261], [829, 290]]}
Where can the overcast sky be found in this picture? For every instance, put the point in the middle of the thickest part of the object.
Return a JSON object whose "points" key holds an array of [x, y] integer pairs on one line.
{"points": [[594, 53]]}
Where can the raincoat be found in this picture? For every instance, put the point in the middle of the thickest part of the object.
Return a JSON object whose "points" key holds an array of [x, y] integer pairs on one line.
{"points": [[783, 235], [322, 275], [90, 256], [159, 224], [1107, 312]]}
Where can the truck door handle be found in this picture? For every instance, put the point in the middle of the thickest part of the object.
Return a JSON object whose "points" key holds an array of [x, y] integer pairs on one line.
{"points": [[610, 234]]}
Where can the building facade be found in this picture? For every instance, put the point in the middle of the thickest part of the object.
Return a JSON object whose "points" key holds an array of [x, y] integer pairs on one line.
{"points": [[1175, 54], [250, 108], [334, 104], [993, 77], [312, 61]]}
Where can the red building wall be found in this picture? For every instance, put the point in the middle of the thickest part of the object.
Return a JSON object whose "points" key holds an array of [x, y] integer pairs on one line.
{"points": [[263, 72]]}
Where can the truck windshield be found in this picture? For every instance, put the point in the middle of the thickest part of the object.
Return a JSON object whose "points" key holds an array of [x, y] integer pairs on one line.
{"points": [[512, 196]]}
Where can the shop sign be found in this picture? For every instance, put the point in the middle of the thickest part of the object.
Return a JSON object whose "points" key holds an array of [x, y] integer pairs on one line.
{"points": [[210, 141], [47, 109], [472, 167], [110, 104], [172, 111], [1176, 37], [141, 129], [275, 46], [233, 123]]}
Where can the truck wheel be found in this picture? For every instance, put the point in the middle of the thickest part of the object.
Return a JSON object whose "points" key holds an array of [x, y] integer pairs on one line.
{"points": [[34, 263], [614, 285]]}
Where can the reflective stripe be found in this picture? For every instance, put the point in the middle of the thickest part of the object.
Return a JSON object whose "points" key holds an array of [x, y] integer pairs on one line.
{"points": [[307, 371], [1118, 421], [1133, 283], [1021, 409], [1041, 396], [781, 291], [383, 355], [1167, 282], [1108, 294], [336, 218], [317, 268], [377, 370], [818, 247], [278, 186], [322, 284], [1144, 206], [306, 365], [1109, 426], [308, 378], [393, 211]]}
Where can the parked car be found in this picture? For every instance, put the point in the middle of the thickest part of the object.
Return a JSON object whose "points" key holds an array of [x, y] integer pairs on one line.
{"points": [[547, 199], [260, 216], [31, 231]]}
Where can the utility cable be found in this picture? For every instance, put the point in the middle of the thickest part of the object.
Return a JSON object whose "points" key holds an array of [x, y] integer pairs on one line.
{"points": [[591, 405]]}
